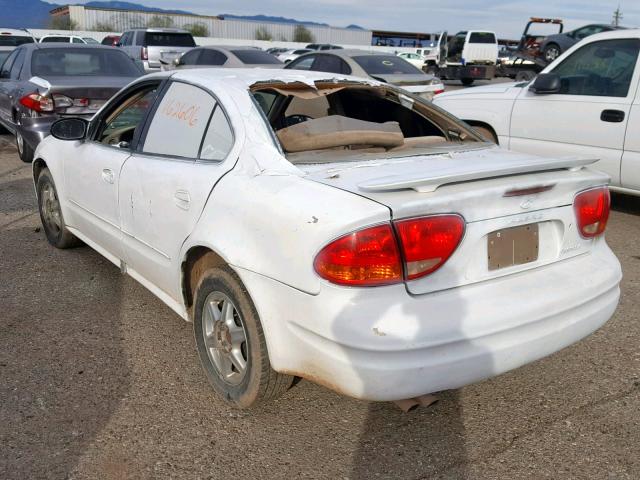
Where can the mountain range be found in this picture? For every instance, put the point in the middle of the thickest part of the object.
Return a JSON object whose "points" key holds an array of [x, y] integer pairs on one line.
{"points": [[35, 13]]}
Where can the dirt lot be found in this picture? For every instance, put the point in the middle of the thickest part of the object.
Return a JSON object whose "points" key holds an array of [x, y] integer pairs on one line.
{"points": [[100, 380]]}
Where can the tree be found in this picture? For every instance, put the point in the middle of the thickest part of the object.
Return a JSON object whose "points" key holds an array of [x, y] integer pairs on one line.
{"points": [[63, 22], [302, 34], [263, 34], [159, 21], [104, 27], [197, 29]]}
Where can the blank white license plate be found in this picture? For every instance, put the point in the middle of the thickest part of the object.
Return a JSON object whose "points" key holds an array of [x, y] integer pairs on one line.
{"points": [[513, 246]]}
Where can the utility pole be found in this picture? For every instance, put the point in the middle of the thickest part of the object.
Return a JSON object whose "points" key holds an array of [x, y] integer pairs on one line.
{"points": [[617, 16]]}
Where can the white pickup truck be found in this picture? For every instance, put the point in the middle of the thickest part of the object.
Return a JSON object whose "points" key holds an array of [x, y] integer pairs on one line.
{"points": [[585, 103], [467, 56]]}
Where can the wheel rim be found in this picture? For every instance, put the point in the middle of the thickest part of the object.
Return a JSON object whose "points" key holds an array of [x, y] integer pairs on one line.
{"points": [[50, 208], [552, 53], [225, 338], [20, 143]]}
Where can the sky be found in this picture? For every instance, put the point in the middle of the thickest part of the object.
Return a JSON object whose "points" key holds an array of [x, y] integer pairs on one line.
{"points": [[506, 18]]}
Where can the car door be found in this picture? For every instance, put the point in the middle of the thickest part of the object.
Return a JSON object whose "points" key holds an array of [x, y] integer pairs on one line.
{"points": [[589, 115], [165, 184], [7, 85], [92, 175], [630, 168]]}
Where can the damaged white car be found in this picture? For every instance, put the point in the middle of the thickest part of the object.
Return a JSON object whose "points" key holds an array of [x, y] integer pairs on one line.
{"points": [[335, 229]]}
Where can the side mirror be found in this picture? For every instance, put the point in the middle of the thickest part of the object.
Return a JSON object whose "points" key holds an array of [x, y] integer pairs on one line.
{"points": [[70, 128], [546, 84]]}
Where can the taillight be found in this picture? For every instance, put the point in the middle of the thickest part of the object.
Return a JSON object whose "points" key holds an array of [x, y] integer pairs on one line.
{"points": [[592, 211], [144, 54], [37, 102], [378, 256], [428, 242], [438, 92], [364, 258]]}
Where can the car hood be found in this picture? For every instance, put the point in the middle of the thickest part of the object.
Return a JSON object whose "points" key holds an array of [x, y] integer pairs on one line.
{"points": [[509, 89]]}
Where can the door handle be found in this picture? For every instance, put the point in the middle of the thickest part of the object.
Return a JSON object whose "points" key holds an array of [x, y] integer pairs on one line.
{"points": [[182, 199], [107, 175], [614, 116]]}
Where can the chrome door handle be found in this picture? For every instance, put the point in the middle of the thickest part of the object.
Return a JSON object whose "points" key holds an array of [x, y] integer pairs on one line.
{"points": [[107, 175], [182, 199]]}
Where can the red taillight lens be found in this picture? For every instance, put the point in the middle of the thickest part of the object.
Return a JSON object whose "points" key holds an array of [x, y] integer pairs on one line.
{"points": [[364, 258], [438, 92], [428, 242], [37, 102], [144, 55], [592, 211]]}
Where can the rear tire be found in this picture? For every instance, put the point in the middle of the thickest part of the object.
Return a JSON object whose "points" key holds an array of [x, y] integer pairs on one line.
{"points": [[25, 152], [231, 343], [466, 81], [51, 217]]}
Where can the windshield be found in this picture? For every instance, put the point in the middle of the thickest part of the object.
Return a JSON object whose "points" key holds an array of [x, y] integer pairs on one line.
{"points": [[168, 39], [13, 40], [385, 65], [255, 57], [82, 61]]}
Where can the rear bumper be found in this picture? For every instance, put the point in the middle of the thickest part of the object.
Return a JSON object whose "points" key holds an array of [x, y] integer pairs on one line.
{"points": [[382, 344], [35, 129]]}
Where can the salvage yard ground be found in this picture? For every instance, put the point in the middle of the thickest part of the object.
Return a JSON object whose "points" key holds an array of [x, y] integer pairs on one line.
{"points": [[100, 380]]}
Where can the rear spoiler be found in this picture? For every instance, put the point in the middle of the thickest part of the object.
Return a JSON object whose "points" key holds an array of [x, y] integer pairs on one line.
{"points": [[429, 182]]}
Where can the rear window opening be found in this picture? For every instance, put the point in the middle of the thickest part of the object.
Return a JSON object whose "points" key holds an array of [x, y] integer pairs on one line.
{"points": [[168, 39], [335, 121]]}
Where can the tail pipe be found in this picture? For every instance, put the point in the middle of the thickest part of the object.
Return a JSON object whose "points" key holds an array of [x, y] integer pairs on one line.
{"points": [[410, 404]]}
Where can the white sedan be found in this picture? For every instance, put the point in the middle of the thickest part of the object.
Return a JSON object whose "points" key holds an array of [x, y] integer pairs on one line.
{"points": [[585, 103], [332, 228], [413, 58]]}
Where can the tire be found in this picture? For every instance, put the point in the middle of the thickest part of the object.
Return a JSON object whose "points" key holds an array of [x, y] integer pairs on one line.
{"points": [[551, 52], [53, 223], [25, 152], [486, 133], [466, 81], [237, 368], [525, 76]]}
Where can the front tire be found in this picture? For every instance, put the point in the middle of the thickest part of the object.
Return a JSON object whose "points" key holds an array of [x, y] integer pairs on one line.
{"points": [[231, 343], [51, 217], [25, 152]]}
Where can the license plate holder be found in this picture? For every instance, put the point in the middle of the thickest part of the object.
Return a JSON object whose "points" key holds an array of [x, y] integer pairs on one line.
{"points": [[513, 246]]}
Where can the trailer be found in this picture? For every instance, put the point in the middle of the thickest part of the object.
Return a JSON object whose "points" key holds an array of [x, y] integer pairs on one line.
{"points": [[468, 56]]}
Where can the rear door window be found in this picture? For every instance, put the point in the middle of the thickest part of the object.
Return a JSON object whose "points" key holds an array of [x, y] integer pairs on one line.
{"points": [[218, 140], [212, 57], [330, 63], [191, 57], [78, 40], [168, 39], [8, 63], [302, 63], [179, 123]]}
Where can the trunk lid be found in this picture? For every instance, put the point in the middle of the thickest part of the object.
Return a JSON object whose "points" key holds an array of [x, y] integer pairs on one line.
{"points": [[167, 54], [491, 188]]}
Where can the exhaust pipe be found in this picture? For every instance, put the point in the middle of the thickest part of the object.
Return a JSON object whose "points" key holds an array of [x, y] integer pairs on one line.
{"points": [[410, 404]]}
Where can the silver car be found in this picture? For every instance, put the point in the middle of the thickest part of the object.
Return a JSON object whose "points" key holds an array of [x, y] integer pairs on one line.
{"points": [[224, 56], [384, 67], [40, 83]]}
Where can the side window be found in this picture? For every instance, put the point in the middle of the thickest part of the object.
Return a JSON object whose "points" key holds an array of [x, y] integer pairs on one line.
{"points": [[212, 57], [121, 124], [331, 64], [123, 39], [190, 58], [77, 40], [140, 38], [303, 63], [179, 123], [5, 71], [601, 69], [17, 65], [219, 138]]}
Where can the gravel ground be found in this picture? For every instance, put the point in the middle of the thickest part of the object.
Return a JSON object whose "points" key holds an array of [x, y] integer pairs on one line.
{"points": [[100, 380]]}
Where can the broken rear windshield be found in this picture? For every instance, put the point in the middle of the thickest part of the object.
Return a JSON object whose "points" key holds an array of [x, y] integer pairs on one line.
{"points": [[385, 65]]}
